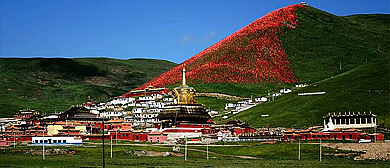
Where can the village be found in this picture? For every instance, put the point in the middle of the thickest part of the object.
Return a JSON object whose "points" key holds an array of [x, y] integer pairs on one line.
{"points": [[152, 115]]}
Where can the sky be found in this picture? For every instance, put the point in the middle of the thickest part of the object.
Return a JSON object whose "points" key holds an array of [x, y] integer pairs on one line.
{"points": [[173, 30]]}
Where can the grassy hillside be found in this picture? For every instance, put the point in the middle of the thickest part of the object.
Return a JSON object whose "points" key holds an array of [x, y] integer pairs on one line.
{"points": [[50, 85], [323, 41], [315, 49], [365, 88]]}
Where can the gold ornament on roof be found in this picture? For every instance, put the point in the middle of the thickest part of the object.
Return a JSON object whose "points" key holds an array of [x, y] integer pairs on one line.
{"points": [[185, 94]]}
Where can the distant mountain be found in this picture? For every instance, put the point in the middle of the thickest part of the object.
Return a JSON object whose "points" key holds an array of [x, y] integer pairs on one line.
{"points": [[54, 84]]}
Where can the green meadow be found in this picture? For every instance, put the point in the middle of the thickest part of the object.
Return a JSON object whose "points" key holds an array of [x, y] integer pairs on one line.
{"points": [[282, 154]]}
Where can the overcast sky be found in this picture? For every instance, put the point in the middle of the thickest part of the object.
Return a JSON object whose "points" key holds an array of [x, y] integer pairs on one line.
{"points": [[124, 29]]}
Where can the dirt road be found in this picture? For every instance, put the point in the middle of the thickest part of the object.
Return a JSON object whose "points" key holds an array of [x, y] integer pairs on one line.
{"points": [[377, 151]]}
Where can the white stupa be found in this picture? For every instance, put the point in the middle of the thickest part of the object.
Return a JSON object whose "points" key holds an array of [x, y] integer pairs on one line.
{"points": [[329, 126]]}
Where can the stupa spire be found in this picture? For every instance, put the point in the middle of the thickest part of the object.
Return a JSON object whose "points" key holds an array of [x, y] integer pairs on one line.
{"points": [[184, 83]]}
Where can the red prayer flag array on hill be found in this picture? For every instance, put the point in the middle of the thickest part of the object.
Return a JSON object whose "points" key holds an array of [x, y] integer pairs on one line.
{"points": [[253, 54]]}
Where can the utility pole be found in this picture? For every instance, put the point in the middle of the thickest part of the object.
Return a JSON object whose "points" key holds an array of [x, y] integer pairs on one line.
{"points": [[111, 146], [299, 150], [375, 133], [116, 137], [104, 164], [43, 144], [320, 152], [14, 138], [208, 142], [185, 151]]}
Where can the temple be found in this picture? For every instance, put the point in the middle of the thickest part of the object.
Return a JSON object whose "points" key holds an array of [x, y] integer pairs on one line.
{"points": [[186, 110], [349, 120]]}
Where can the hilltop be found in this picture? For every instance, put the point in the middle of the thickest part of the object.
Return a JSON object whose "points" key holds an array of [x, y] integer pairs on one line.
{"points": [[253, 54], [54, 84], [345, 56], [316, 49]]}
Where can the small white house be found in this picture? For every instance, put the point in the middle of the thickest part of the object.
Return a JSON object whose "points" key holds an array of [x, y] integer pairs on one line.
{"points": [[261, 99], [214, 112], [138, 110], [229, 105], [147, 98], [154, 110], [50, 116], [168, 99], [110, 114], [301, 85], [248, 101], [122, 100], [285, 91], [276, 94], [222, 135]]}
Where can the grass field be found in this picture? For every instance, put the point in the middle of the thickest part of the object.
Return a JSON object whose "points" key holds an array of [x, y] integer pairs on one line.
{"points": [[270, 155]]}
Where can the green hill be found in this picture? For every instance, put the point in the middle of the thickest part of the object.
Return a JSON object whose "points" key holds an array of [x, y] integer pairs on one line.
{"points": [[364, 88], [50, 85], [315, 50]]}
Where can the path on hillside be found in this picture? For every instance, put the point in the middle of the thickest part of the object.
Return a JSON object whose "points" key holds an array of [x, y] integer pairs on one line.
{"points": [[168, 146], [221, 96]]}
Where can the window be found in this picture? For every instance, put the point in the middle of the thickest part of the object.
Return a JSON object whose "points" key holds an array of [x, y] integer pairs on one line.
{"points": [[64, 141], [36, 141], [54, 141], [343, 121]]}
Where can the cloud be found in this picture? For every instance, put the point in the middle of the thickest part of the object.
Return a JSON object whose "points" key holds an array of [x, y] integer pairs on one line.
{"points": [[196, 40], [209, 36], [185, 39]]}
